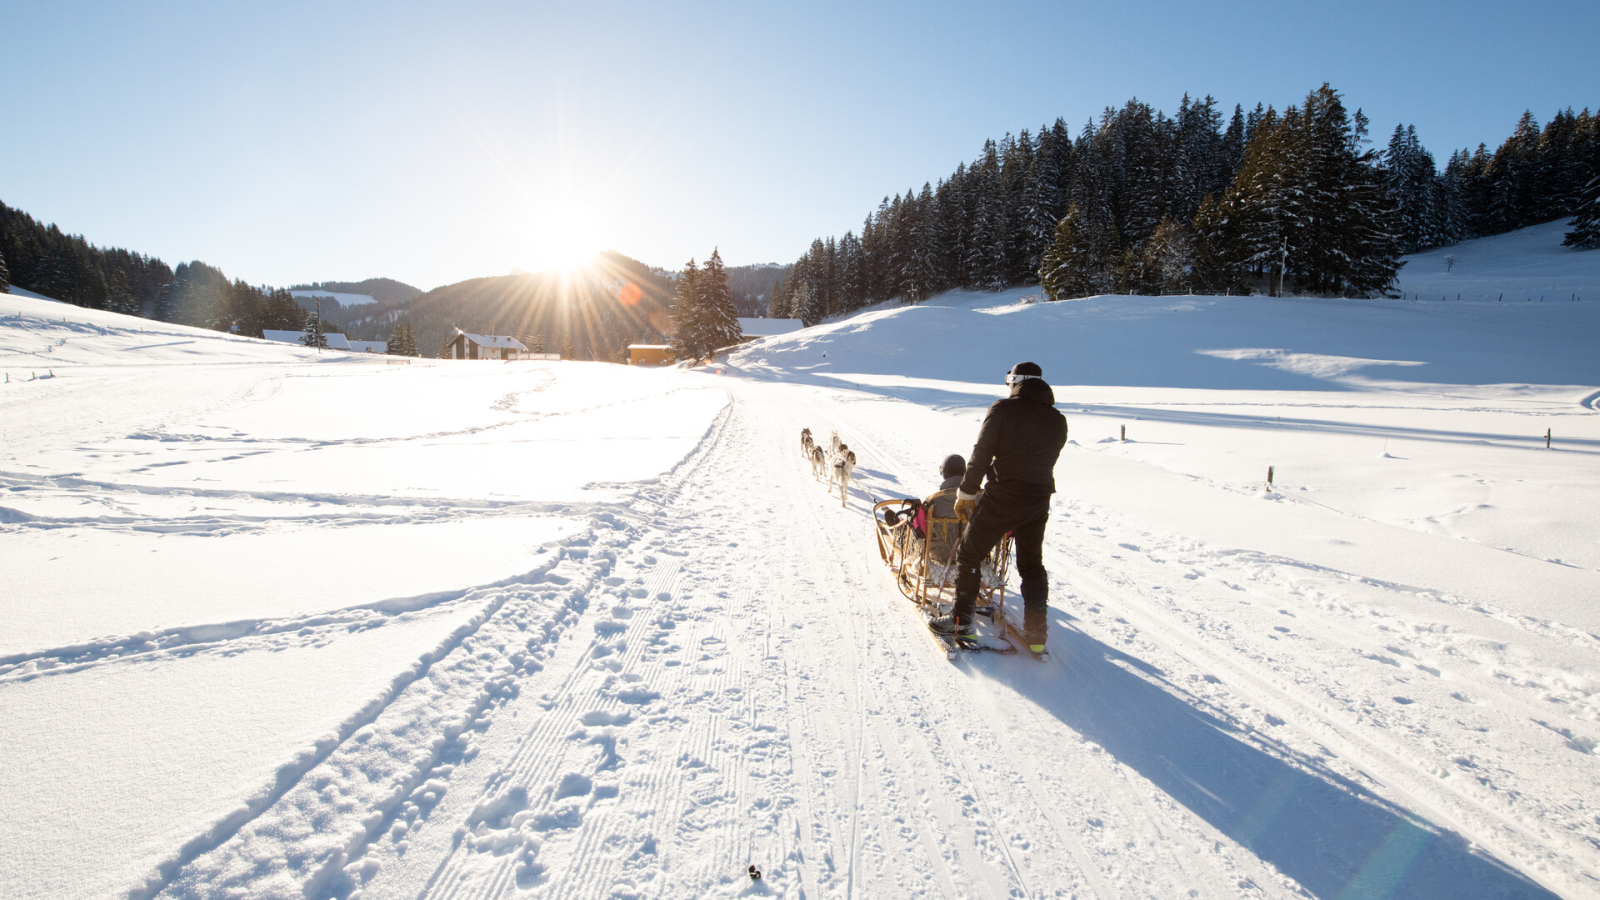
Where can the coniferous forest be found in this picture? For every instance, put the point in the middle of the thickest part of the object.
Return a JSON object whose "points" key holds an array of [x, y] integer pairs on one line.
{"points": [[43, 259], [1296, 200]]}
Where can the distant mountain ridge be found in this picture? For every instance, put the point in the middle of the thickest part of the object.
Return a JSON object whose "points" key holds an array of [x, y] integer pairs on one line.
{"points": [[592, 315], [383, 290]]}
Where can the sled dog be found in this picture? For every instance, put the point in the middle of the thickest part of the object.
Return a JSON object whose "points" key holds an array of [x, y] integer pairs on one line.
{"points": [[819, 462], [834, 445], [806, 443], [843, 464]]}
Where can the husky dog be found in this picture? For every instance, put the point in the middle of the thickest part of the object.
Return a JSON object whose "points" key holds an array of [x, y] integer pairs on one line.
{"points": [[835, 446], [819, 462], [806, 443], [843, 464]]}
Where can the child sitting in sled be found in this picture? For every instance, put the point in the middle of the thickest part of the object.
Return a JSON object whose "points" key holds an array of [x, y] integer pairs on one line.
{"points": [[908, 528]]}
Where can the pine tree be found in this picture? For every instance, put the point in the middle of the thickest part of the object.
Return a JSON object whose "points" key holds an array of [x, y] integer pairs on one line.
{"points": [[568, 349], [778, 303], [536, 343], [1585, 233], [314, 336], [687, 341], [402, 342], [719, 318], [1080, 258], [807, 305], [5, 276], [1166, 259]]}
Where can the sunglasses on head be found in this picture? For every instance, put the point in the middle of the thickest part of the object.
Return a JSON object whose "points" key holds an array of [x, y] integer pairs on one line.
{"points": [[1018, 379]]}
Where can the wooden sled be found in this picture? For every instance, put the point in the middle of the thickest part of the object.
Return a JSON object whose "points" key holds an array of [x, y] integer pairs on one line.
{"points": [[924, 567]]}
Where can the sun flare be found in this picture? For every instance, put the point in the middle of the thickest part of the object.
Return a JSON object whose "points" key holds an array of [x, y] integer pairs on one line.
{"points": [[567, 235]]}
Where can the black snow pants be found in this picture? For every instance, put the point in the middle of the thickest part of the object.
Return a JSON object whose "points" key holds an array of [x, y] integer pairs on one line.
{"points": [[1024, 514]]}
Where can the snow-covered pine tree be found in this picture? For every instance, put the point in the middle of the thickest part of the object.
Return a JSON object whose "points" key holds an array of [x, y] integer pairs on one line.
{"points": [[1016, 168], [1585, 233], [1230, 153], [314, 336], [720, 318], [536, 343], [806, 304], [402, 342], [851, 295], [1408, 174], [928, 268], [826, 254], [1166, 259], [1219, 258], [1041, 204], [1347, 244], [1454, 224], [688, 342], [871, 256], [569, 350], [1079, 261], [982, 263], [120, 298]]}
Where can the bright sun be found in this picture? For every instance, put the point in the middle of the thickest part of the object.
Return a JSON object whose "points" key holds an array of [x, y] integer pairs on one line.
{"points": [[566, 235]]}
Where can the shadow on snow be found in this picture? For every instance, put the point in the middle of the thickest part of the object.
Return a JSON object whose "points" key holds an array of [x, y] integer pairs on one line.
{"points": [[1333, 836]]}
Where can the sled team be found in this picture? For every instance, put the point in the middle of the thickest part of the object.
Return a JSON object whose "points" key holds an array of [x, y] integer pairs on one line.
{"points": [[842, 465], [1003, 488]]}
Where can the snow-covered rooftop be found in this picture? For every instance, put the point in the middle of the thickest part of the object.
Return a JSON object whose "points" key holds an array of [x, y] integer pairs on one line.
{"points": [[502, 341]]}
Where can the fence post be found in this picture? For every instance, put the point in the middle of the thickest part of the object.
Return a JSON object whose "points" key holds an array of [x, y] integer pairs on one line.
{"points": [[1547, 439], [1269, 477], [1124, 432]]}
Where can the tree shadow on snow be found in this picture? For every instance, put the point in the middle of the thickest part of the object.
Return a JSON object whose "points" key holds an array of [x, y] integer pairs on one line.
{"points": [[1332, 835]]}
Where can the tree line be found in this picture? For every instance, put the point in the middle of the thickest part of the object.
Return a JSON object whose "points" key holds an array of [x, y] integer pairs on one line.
{"points": [[1145, 202], [44, 259]]}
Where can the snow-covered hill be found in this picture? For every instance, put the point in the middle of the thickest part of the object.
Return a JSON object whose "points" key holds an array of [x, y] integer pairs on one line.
{"points": [[341, 299], [1529, 265], [283, 625]]}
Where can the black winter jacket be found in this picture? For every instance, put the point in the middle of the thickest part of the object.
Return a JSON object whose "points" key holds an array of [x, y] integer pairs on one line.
{"points": [[1019, 442]]}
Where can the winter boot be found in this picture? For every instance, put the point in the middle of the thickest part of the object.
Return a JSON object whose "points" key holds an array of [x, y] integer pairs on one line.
{"points": [[959, 628], [1034, 629]]}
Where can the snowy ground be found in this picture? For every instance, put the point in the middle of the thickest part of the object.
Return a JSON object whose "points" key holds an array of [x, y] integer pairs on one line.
{"points": [[284, 625]]}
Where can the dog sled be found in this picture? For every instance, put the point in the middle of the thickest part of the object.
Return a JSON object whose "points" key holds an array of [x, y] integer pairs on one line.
{"points": [[923, 564]]}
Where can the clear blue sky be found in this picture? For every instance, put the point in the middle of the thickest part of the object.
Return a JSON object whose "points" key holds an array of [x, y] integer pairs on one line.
{"points": [[291, 141]]}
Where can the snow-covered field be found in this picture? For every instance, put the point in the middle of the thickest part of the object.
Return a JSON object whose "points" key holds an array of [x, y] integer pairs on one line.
{"points": [[282, 625]]}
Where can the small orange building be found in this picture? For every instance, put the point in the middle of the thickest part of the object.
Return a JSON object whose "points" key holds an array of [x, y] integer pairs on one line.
{"points": [[650, 354]]}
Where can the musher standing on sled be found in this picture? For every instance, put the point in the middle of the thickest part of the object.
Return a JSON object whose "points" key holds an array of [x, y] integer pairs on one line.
{"points": [[1017, 448]]}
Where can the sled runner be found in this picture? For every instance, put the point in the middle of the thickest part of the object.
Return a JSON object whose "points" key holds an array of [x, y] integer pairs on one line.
{"points": [[919, 548]]}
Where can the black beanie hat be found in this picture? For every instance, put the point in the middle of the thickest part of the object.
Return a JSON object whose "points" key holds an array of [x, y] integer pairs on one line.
{"points": [[1027, 368], [953, 465]]}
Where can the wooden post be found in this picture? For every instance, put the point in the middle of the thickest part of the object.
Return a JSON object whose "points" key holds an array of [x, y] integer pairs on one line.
{"points": [[1547, 439], [1269, 477], [1124, 432]]}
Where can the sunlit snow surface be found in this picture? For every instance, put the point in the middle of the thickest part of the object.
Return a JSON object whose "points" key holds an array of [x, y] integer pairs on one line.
{"points": [[288, 624]]}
